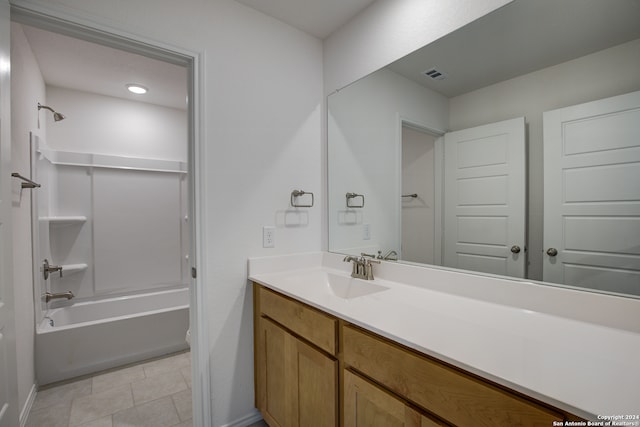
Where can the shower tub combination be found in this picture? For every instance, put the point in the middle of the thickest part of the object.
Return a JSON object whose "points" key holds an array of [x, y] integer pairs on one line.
{"points": [[91, 336]]}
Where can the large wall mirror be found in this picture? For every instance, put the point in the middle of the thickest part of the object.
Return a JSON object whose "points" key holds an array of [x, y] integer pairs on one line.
{"points": [[509, 147]]}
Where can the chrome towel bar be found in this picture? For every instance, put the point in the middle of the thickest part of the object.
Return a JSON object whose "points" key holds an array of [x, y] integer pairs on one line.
{"points": [[28, 183], [297, 193]]}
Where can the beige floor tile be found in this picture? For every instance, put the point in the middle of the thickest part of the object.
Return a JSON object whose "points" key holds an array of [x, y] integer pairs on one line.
{"points": [[186, 373], [158, 386], [102, 422], [64, 393], [182, 400], [157, 413], [172, 363], [51, 416], [98, 405], [117, 378]]}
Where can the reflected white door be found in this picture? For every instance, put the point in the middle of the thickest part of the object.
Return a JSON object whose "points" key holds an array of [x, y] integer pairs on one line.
{"points": [[485, 198], [8, 380], [592, 194]]}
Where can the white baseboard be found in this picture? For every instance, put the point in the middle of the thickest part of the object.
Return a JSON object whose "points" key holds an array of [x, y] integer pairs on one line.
{"points": [[24, 414], [245, 421]]}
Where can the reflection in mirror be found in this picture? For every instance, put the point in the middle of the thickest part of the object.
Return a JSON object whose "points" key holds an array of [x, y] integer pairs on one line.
{"points": [[510, 147]]}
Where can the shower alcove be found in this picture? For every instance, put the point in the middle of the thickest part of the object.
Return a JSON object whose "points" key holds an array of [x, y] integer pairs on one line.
{"points": [[118, 227]]}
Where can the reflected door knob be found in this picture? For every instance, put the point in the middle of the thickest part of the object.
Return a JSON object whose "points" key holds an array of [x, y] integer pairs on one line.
{"points": [[552, 252], [515, 249]]}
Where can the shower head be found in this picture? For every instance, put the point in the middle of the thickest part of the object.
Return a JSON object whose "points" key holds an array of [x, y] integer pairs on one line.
{"points": [[56, 116]]}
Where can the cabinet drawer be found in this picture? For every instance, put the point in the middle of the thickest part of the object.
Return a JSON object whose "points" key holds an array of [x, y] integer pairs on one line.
{"points": [[313, 325], [365, 404], [459, 398]]}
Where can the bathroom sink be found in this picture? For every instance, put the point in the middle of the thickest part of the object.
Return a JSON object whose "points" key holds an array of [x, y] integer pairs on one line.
{"points": [[349, 287], [319, 283]]}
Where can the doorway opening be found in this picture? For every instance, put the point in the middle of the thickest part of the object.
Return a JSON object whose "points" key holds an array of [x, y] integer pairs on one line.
{"points": [[421, 183], [177, 169]]}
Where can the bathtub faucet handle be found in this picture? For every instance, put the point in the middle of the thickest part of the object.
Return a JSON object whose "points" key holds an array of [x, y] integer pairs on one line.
{"points": [[48, 268]]}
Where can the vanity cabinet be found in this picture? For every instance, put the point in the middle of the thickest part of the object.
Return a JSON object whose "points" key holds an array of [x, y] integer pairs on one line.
{"points": [[295, 364], [311, 367]]}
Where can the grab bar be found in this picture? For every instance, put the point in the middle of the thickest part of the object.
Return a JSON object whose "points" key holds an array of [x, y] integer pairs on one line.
{"points": [[350, 196], [28, 183], [297, 193]]}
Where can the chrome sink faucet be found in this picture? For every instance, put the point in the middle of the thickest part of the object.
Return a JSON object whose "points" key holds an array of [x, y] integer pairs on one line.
{"points": [[389, 256], [362, 268]]}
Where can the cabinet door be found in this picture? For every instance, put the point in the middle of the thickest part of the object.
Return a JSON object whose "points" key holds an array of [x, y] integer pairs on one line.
{"points": [[317, 379], [297, 384], [275, 393], [367, 405]]}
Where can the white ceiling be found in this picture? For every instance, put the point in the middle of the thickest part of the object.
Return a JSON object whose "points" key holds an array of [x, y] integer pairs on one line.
{"points": [[316, 17], [76, 64]]}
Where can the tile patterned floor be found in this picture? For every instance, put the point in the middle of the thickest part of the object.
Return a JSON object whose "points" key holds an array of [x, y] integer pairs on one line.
{"points": [[150, 394]]}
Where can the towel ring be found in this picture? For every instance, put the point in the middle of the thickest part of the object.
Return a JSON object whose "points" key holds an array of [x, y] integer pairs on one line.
{"points": [[350, 196], [298, 193]]}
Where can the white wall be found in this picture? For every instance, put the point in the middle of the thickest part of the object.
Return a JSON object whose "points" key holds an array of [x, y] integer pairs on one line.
{"points": [[105, 125], [600, 75], [390, 29], [262, 98], [364, 156], [27, 87]]}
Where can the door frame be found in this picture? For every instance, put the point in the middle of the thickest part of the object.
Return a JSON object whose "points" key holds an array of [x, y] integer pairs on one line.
{"points": [[9, 405], [438, 173], [73, 26]]}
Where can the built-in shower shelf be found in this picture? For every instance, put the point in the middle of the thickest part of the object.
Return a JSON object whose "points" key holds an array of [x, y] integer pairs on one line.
{"points": [[73, 268], [65, 220]]}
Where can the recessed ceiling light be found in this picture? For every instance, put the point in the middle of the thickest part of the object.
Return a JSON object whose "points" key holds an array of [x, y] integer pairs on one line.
{"points": [[137, 89]]}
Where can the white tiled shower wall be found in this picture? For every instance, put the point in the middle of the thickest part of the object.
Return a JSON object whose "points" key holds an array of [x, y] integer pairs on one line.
{"points": [[136, 218]]}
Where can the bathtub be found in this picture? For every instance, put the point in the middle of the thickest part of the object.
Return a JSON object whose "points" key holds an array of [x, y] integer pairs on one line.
{"points": [[91, 336]]}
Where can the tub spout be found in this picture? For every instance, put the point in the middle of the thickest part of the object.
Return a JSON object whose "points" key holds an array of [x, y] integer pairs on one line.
{"points": [[48, 296]]}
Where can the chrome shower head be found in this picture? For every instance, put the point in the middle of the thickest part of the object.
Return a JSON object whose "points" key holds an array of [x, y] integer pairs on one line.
{"points": [[56, 116]]}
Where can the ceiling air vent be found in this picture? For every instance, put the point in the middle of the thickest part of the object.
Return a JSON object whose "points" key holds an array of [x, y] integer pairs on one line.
{"points": [[435, 74]]}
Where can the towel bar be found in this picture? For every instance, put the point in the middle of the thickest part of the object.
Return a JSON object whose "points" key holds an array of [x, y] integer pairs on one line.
{"points": [[28, 183]]}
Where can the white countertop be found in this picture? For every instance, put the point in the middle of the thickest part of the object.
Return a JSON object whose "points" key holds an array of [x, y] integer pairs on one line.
{"points": [[529, 337]]}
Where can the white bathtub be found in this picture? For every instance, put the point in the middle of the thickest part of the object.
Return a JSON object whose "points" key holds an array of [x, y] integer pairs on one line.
{"points": [[90, 336]]}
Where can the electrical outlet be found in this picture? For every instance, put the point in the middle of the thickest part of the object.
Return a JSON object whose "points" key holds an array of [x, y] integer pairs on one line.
{"points": [[366, 232], [268, 236]]}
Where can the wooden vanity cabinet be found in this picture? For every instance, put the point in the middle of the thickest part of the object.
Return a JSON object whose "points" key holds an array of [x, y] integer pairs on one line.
{"points": [[306, 377], [296, 378]]}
